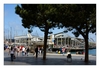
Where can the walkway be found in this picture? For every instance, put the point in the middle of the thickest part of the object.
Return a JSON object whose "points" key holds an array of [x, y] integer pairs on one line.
{"points": [[51, 59]]}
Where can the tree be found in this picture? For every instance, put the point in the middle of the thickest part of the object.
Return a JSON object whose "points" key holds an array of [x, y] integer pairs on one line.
{"points": [[38, 15], [80, 19]]}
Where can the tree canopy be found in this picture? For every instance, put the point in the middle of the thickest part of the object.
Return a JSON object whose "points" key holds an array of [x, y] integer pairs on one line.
{"points": [[38, 15], [78, 18]]}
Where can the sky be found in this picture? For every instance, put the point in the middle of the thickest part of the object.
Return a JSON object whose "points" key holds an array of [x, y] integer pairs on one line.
{"points": [[13, 24]]}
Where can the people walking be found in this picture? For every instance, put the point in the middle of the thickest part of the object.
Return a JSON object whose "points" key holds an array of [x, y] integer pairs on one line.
{"points": [[23, 51], [27, 51], [40, 51], [18, 50], [11, 51], [63, 51], [36, 51]]}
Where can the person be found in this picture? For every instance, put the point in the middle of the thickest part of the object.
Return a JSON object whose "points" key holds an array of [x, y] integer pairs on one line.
{"points": [[68, 53], [40, 51], [11, 51], [77, 52], [4, 48], [56, 51], [82, 52], [18, 50], [59, 52], [36, 51], [23, 51], [63, 51], [27, 51], [69, 57]]}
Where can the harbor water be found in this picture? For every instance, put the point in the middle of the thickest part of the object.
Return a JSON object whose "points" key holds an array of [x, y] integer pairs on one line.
{"points": [[91, 52]]}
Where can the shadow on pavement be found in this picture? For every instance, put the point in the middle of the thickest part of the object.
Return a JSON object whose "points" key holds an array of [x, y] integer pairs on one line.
{"points": [[48, 61]]}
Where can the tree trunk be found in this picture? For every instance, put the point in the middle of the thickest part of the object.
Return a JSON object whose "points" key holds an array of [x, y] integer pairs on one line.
{"points": [[86, 45], [45, 41], [86, 49]]}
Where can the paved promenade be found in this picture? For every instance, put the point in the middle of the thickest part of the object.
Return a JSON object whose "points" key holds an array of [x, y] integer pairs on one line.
{"points": [[51, 59]]}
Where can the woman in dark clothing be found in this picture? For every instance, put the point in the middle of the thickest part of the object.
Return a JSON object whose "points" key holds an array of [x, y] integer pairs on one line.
{"points": [[11, 51], [27, 51], [36, 51]]}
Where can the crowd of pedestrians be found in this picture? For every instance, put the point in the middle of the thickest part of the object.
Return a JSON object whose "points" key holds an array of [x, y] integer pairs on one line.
{"points": [[15, 51]]}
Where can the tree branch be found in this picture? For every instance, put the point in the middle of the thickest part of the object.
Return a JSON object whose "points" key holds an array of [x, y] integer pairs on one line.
{"points": [[79, 30]]}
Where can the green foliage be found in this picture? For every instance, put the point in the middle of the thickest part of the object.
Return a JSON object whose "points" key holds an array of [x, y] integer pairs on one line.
{"points": [[71, 16], [37, 15], [27, 14], [76, 16], [80, 19]]}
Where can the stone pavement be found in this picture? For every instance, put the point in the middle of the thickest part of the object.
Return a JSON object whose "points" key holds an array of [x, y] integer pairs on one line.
{"points": [[51, 59]]}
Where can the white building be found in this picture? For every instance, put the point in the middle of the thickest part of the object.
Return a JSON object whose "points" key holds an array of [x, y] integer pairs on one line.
{"points": [[54, 40], [64, 40], [27, 39]]}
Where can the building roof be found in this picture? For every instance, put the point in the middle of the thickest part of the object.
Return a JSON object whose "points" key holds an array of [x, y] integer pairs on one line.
{"points": [[27, 36], [61, 34]]}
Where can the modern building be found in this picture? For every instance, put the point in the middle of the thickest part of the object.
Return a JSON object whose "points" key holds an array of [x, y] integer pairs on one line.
{"points": [[28, 39], [62, 39], [57, 40]]}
